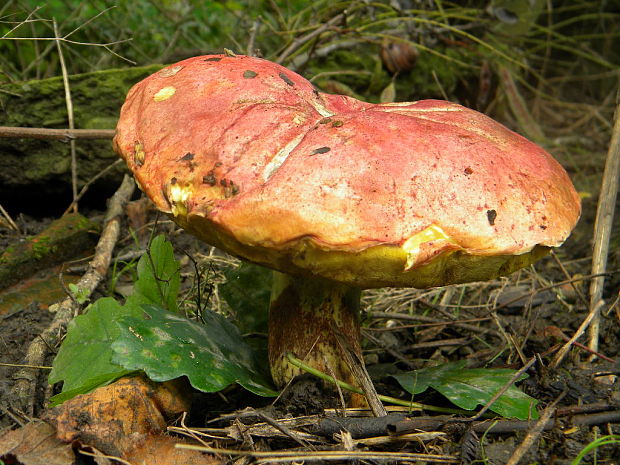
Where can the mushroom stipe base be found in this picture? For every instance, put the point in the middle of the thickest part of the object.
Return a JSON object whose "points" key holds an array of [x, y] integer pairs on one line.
{"points": [[308, 317]]}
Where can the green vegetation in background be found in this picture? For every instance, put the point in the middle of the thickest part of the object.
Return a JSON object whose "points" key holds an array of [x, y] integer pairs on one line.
{"points": [[544, 45]]}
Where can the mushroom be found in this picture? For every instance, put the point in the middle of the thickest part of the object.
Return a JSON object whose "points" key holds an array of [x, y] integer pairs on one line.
{"points": [[338, 195]]}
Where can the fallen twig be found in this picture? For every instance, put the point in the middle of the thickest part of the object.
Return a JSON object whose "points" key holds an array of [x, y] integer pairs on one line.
{"points": [[56, 134], [535, 432], [23, 397], [358, 427], [499, 426]]}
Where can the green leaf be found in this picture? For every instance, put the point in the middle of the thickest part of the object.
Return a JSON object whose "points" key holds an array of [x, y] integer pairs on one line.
{"points": [[248, 290], [468, 388], [388, 95], [86, 354], [212, 355], [158, 276]]}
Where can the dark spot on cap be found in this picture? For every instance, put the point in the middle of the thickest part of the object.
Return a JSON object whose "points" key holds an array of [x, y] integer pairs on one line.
{"points": [[320, 150], [468, 170], [223, 182], [213, 59], [249, 74], [234, 188], [543, 227], [218, 164], [187, 157], [231, 190], [337, 124], [209, 178], [491, 215], [173, 181], [325, 120], [286, 79]]}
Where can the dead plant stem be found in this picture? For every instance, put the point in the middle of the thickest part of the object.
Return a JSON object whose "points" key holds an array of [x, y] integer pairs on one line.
{"points": [[69, 103], [603, 227]]}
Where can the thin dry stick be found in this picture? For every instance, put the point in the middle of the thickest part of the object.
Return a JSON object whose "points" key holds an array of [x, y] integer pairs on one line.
{"points": [[25, 21], [284, 430], [504, 388], [9, 220], [299, 42], [534, 433], [298, 455], [69, 103], [557, 333], [56, 134], [85, 187], [250, 51], [22, 394], [559, 356], [603, 226], [578, 292]]}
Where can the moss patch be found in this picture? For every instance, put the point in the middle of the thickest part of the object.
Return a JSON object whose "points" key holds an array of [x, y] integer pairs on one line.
{"points": [[97, 99], [63, 240]]}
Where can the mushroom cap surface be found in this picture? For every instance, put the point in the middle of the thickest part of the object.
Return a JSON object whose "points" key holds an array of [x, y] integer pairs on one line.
{"points": [[249, 157]]}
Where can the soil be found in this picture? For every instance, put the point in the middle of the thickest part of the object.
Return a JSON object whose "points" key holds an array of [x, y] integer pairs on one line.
{"points": [[17, 329]]}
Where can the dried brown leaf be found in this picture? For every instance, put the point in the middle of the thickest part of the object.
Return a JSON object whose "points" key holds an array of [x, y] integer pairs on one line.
{"points": [[35, 444], [114, 417]]}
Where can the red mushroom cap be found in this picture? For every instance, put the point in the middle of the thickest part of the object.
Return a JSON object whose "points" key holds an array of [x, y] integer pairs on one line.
{"points": [[246, 155]]}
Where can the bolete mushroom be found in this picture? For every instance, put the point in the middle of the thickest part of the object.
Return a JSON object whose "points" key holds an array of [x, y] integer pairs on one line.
{"points": [[335, 194]]}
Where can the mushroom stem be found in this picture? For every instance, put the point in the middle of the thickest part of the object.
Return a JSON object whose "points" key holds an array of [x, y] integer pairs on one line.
{"points": [[307, 317]]}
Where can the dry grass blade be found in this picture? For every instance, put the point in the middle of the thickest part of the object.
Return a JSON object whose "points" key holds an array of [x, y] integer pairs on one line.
{"points": [[293, 455], [69, 103], [358, 369]]}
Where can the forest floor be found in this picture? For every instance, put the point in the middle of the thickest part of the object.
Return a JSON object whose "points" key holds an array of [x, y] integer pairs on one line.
{"points": [[402, 327]]}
